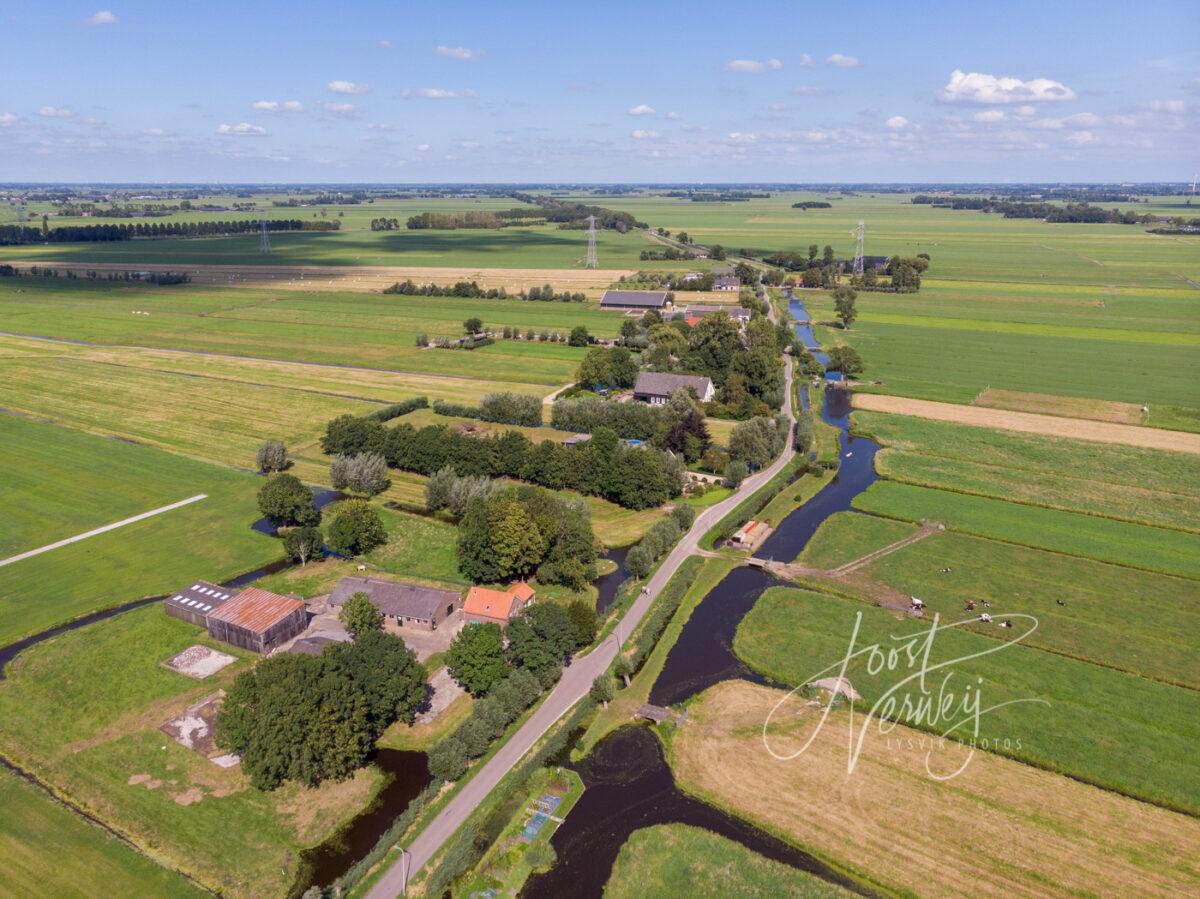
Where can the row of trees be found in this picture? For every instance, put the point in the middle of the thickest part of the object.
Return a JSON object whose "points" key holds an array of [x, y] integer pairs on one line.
{"points": [[506, 677], [1077, 213], [21, 234], [633, 478], [502, 407], [312, 719], [659, 540], [471, 289]]}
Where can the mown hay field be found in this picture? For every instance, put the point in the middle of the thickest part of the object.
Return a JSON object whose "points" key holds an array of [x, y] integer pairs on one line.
{"points": [[998, 829], [1129, 483]]}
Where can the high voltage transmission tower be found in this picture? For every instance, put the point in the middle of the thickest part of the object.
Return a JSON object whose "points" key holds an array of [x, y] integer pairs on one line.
{"points": [[859, 233], [264, 243], [591, 234]]}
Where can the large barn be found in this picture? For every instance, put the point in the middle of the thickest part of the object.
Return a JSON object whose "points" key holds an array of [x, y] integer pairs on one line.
{"points": [[410, 605], [634, 300], [656, 387], [257, 619]]}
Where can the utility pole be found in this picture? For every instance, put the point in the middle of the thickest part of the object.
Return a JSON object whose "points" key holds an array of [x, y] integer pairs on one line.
{"points": [[591, 235]]}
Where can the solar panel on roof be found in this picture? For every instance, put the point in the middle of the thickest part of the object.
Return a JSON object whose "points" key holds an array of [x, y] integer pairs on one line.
{"points": [[177, 597], [206, 608], [194, 587]]}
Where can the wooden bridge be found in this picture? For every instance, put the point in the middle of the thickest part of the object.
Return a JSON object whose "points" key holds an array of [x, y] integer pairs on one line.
{"points": [[658, 714]]}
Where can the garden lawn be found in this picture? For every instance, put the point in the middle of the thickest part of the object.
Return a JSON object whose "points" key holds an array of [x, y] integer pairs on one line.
{"points": [[674, 859], [48, 850], [1118, 542], [82, 711], [209, 539], [1067, 716]]}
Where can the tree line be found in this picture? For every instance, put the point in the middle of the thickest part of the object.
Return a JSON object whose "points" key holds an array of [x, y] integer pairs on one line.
{"points": [[11, 235], [630, 477], [472, 290]]}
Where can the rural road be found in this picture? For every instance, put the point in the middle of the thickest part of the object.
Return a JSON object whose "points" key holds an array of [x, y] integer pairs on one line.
{"points": [[574, 685]]}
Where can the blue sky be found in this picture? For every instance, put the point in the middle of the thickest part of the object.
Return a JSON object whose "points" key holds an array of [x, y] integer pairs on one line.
{"points": [[613, 91]]}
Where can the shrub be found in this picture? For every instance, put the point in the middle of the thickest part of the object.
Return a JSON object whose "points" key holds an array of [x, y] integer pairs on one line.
{"points": [[736, 472], [447, 760], [360, 615], [684, 516], [395, 410], [272, 456], [363, 473], [356, 528]]}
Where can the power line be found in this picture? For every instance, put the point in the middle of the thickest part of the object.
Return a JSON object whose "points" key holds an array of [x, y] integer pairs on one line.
{"points": [[264, 243]]}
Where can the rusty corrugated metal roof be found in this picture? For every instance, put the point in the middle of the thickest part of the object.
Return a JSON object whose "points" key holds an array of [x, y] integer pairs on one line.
{"points": [[256, 610]]}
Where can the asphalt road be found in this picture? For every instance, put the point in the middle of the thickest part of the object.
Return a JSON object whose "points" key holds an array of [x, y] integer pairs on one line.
{"points": [[574, 685]]}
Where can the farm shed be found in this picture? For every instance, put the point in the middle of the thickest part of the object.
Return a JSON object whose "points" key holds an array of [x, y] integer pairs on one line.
{"points": [[656, 387], [739, 314], [640, 300], [257, 619], [727, 282], [194, 604], [411, 605]]}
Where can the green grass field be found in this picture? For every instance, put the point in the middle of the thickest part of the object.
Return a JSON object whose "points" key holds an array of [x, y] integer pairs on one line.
{"points": [[675, 859], [1103, 539], [82, 712], [1119, 617], [1092, 723], [347, 328], [48, 850], [1139, 485], [210, 538]]}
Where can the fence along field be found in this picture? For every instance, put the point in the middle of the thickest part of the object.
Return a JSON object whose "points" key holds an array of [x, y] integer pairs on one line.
{"points": [[1136, 621]]}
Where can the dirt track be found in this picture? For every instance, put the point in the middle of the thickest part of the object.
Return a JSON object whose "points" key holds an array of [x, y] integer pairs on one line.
{"points": [[354, 277], [1032, 423]]}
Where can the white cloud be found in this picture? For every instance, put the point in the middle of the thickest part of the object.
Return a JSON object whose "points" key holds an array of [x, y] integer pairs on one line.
{"points": [[640, 109], [1047, 124], [1083, 120], [470, 144], [975, 87], [989, 115], [347, 87], [640, 134], [753, 66], [103, 17], [1081, 137], [342, 109], [1173, 106], [431, 93], [742, 137], [278, 106], [470, 93], [1123, 121], [459, 52], [241, 128], [1025, 112], [897, 121], [384, 44], [806, 61], [842, 61], [6, 119], [153, 132], [55, 112], [673, 116], [808, 90], [422, 148]]}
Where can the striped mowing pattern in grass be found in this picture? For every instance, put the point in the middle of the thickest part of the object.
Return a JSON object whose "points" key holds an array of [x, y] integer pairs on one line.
{"points": [[1119, 542]]}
